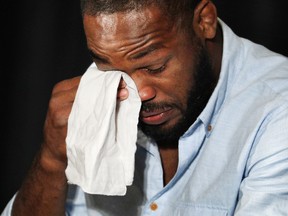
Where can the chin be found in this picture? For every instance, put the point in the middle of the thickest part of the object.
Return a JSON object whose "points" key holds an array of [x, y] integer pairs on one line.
{"points": [[171, 130]]}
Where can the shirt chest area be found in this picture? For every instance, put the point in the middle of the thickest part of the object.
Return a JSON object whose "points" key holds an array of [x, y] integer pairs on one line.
{"points": [[199, 187], [202, 185]]}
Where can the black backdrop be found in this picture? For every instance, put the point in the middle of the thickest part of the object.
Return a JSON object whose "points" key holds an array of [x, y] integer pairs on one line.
{"points": [[43, 42]]}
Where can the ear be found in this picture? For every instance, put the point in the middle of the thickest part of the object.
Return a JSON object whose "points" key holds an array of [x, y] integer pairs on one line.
{"points": [[205, 19]]}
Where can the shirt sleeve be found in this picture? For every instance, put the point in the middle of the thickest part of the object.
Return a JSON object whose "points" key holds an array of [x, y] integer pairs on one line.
{"points": [[7, 210], [76, 202], [264, 190]]}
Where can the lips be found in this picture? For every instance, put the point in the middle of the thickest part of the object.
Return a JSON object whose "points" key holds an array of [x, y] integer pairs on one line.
{"points": [[156, 117]]}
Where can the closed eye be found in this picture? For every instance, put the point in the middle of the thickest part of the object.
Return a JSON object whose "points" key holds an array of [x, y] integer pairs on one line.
{"points": [[156, 70], [160, 67]]}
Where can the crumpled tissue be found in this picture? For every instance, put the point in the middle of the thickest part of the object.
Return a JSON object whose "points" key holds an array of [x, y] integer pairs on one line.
{"points": [[102, 134]]}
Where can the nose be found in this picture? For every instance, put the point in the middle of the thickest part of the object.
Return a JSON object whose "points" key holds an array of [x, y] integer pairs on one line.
{"points": [[147, 93], [146, 89]]}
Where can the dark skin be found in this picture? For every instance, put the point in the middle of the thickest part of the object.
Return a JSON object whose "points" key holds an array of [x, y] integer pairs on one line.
{"points": [[141, 50]]}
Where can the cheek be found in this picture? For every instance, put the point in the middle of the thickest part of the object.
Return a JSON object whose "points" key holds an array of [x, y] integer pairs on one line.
{"points": [[176, 85]]}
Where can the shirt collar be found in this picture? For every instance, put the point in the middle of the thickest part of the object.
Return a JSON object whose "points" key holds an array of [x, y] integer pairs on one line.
{"points": [[230, 65]]}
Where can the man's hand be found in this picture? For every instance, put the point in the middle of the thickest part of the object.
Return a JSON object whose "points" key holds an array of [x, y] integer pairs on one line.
{"points": [[55, 128], [122, 90]]}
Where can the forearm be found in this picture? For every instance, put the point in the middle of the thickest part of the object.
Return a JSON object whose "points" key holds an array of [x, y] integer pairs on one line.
{"points": [[43, 193], [44, 190]]}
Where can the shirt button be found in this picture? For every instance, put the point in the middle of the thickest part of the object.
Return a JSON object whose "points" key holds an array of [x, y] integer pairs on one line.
{"points": [[209, 127], [153, 206]]}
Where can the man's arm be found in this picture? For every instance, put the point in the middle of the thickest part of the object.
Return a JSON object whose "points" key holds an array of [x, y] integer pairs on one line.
{"points": [[44, 189], [264, 190]]}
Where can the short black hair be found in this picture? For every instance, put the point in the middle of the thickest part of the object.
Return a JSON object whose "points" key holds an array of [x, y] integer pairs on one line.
{"points": [[176, 10]]}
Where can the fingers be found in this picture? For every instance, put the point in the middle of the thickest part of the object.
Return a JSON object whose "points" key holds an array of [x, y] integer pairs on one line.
{"points": [[123, 92], [66, 85], [61, 101], [55, 127]]}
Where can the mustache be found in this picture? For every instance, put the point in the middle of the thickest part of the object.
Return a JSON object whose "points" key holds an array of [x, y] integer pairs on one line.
{"points": [[151, 107]]}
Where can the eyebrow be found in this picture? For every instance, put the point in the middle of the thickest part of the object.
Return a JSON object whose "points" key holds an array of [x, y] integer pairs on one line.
{"points": [[136, 56], [98, 58], [145, 52]]}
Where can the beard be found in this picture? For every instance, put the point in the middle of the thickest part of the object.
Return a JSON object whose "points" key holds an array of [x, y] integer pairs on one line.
{"points": [[198, 96]]}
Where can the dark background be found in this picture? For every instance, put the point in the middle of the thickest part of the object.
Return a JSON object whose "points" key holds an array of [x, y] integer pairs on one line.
{"points": [[43, 42]]}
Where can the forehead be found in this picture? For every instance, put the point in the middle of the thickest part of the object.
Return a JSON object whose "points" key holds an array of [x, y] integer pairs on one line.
{"points": [[126, 27]]}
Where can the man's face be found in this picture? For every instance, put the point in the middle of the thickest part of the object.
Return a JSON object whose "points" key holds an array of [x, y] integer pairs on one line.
{"points": [[162, 61]]}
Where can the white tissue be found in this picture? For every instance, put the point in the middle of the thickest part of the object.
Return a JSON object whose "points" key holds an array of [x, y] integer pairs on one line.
{"points": [[102, 133]]}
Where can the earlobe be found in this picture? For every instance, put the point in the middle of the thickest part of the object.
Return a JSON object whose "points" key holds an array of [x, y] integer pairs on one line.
{"points": [[205, 19]]}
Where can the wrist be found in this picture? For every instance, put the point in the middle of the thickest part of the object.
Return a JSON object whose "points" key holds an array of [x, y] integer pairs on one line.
{"points": [[50, 163]]}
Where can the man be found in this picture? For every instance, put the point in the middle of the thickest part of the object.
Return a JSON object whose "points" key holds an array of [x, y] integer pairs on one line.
{"points": [[214, 109]]}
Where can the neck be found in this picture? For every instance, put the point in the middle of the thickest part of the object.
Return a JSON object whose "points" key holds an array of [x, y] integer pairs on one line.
{"points": [[169, 159], [215, 50]]}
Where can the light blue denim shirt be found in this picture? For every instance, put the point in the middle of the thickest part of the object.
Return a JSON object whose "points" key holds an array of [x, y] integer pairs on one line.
{"points": [[232, 161]]}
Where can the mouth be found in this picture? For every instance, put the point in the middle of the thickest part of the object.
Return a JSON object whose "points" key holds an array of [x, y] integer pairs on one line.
{"points": [[156, 117]]}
